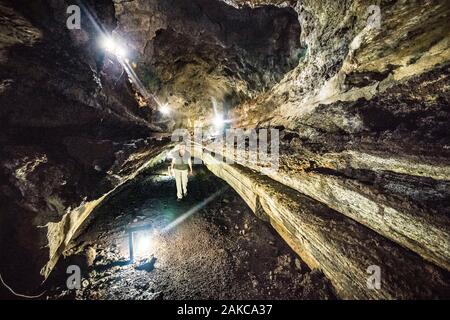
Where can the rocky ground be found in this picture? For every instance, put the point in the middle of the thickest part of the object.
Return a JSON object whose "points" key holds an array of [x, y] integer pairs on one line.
{"points": [[221, 251]]}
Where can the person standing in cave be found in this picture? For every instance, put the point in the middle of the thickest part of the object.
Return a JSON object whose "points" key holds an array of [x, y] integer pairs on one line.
{"points": [[181, 167]]}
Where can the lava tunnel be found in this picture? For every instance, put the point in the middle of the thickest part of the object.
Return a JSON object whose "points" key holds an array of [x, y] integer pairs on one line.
{"points": [[193, 248], [224, 150]]}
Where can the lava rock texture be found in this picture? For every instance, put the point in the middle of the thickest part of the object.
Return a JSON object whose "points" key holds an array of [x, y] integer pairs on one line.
{"points": [[360, 91], [68, 131], [363, 120]]}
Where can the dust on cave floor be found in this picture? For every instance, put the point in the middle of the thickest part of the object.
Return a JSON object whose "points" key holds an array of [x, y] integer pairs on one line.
{"points": [[222, 251]]}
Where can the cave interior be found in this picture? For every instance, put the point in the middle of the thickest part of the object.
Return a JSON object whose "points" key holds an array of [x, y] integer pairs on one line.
{"points": [[351, 199]]}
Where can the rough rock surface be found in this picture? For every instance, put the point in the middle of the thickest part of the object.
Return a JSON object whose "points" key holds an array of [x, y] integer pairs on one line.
{"points": [[362, 108], [363, 119], [70, 132], [193, 54]]}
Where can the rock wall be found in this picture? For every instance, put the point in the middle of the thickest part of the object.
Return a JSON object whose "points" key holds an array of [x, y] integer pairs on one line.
{"points": [[71, 132], [362, 105], [367, 116]]}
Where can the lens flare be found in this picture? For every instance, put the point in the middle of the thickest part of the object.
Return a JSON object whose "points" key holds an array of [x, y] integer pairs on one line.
{"points": [[112, 46]]}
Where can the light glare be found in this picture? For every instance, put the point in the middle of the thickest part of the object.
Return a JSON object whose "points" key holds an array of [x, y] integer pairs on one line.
{"points": [[113, 47], [218, 121], [143, 245]]}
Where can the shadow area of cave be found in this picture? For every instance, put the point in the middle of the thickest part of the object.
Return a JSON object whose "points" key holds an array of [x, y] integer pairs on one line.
{"points": [[222, 251]]}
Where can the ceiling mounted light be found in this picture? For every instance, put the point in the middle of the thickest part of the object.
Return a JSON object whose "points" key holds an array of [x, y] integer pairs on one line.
{"points": [[112, 46], [218, 121], [121, 52]]}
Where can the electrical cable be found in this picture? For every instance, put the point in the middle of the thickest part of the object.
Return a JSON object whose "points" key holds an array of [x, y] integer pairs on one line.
{"points": [[18, 294]]}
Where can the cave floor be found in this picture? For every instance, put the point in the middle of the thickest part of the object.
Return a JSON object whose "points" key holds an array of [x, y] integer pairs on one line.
{"points": [[221, 251]]}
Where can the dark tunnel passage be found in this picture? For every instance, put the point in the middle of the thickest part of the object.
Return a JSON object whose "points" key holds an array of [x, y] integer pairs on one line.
{"points": [[209, 246]]}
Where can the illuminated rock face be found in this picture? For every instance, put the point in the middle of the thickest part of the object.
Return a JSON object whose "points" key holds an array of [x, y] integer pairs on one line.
{"points": [[361, 101], [325, 239], [364, 124], [192, 52]]}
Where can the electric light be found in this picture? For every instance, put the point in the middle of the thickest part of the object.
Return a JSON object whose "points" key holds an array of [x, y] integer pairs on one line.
{"points": [[112, 46], [218, 121], [164, 109], [121, 52], [108, 44]]}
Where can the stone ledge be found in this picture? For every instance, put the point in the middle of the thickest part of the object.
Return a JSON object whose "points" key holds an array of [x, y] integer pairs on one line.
{"points": [[340, 247]]}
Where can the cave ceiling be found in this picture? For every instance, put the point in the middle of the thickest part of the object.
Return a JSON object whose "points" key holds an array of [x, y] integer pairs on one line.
{"points": [[193, 54]]}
